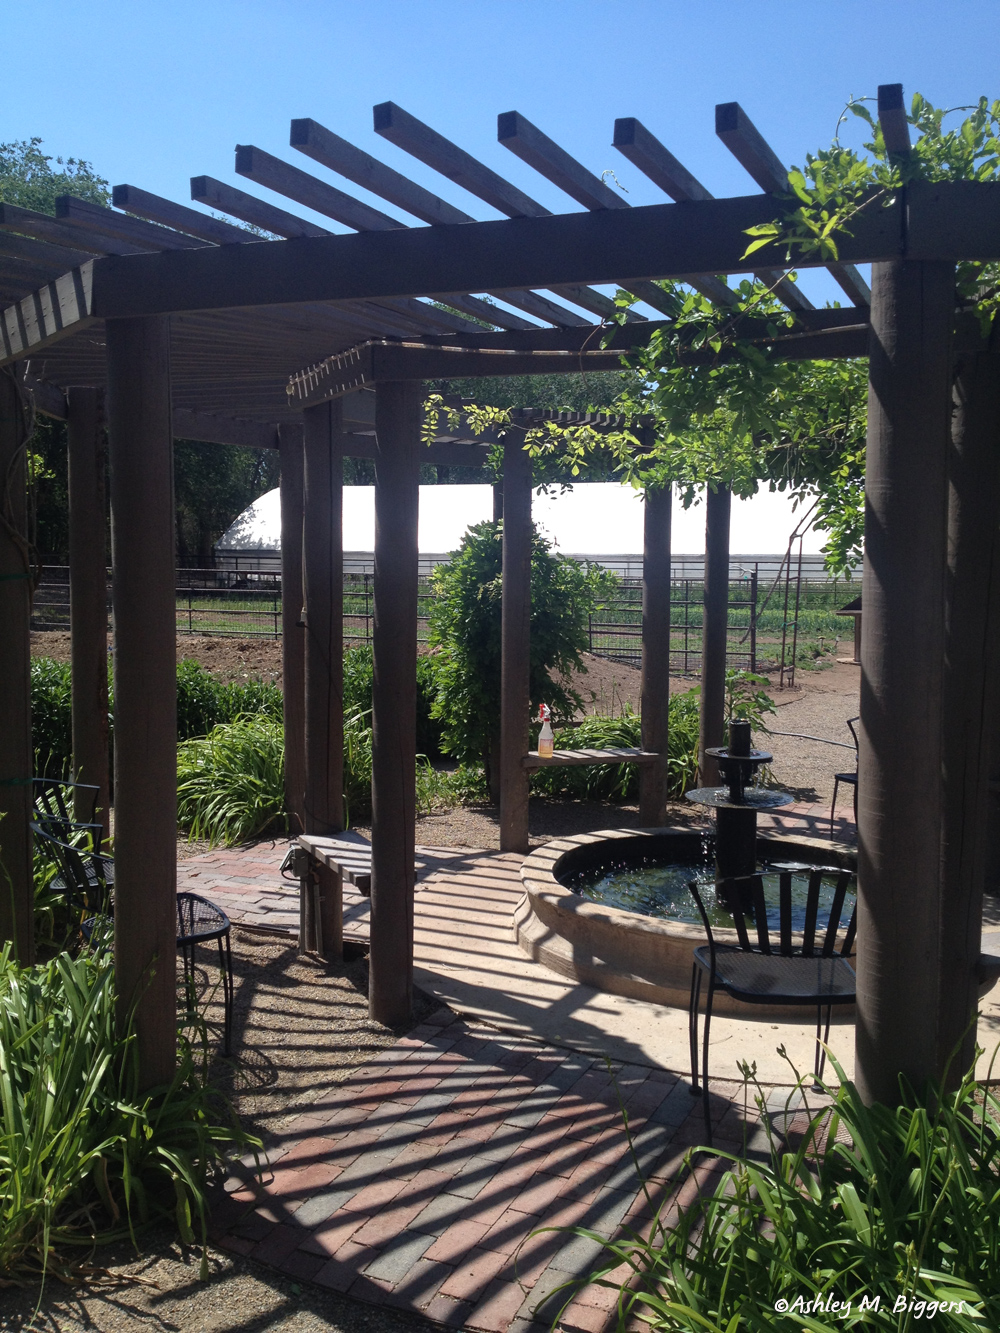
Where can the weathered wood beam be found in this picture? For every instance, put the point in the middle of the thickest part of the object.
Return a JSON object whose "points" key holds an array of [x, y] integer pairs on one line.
{"points": [[323, 582], [120, 227], [88, 596], [367, 364], [399, 410], [145, 669], [656, 241], [418, 139], [46, 228], [212, 429], [54, 258], [46, 316], [654, 685], [281, 177], [741, 136], [515, 631], [971, 712], [528, 143], [17, 900], [901, 977], [293, 643], [46, 398], [892, 118], [323, 146], [179, 216]]}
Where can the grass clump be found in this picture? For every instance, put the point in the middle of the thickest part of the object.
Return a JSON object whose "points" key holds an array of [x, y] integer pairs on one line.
{"points": [[85, 1156], [882, 1217], [231, 783]]}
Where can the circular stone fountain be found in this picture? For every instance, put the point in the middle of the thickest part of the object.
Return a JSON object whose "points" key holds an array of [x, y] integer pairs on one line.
{"points": [[622, 950]]}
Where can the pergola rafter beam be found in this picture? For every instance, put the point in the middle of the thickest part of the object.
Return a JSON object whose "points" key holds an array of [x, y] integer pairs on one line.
{"points": [[331, 151], [528, 143], [741, 136], [428, 146]]}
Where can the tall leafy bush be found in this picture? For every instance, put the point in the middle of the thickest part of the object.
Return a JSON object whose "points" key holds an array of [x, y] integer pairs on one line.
{"points": [[465, 629]]}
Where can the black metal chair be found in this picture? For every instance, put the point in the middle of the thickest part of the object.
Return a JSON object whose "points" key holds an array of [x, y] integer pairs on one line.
{"points": [[85, 876], [784, 970], [56, 801], [849, 779]]}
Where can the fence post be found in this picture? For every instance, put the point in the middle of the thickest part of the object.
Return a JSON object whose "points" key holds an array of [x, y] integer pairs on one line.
{"points": [[753, 621]]}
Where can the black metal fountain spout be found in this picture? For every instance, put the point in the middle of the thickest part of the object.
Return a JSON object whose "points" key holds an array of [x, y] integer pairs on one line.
{"points": [[737, 802]]}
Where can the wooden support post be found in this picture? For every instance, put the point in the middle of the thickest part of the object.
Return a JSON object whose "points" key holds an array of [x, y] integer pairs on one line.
{"points": [[900, 788], [515, 694], [16, 754], [971, 712], [713, 633], [323, 579], [655, 681], [323, 584], [140, 452], [88, 597], [497, 489], [293, 644], [398, 414]]}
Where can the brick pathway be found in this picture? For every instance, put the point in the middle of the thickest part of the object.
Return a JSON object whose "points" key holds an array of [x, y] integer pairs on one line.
{"points": [[423, 1181]]}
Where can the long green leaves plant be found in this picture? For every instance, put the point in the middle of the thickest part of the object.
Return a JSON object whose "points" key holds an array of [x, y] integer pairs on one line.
{"points": [[85, 1156], [881, 1217]]}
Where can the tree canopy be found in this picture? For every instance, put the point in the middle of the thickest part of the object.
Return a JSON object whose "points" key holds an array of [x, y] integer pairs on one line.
{"points": [[28, 178]]}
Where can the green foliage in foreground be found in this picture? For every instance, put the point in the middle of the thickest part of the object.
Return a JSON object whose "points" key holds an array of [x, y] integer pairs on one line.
{"points": [[895, 1206], [231, 783], [84, 1155], [620, 782]]}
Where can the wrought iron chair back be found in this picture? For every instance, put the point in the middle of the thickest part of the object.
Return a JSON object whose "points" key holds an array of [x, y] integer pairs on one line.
{"points": [[809, 957], [55, 808]]}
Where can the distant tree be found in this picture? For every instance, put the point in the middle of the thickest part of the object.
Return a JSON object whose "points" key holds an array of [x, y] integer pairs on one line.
{"points": [[27, 177], [465, 630], [214, 483]]}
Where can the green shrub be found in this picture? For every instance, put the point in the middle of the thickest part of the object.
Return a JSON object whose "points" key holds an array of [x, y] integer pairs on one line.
{"points": [[202, 703], [231, 783], [358, 679], [465, 628], [896, 1205], [84, 1155], [620, 782], [51, 717]]}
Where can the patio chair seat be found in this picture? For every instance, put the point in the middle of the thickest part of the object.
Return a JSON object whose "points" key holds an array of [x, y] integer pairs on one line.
{"points": [[761, 978]]}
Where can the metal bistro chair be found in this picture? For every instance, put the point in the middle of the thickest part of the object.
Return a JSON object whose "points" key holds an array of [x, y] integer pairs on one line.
{"points": [[86, 877], [761, 970], [850, 779], [55, 803]]}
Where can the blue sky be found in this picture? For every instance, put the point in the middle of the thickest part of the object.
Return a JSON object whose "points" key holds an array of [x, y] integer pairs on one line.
{"points": [[154, 93]]}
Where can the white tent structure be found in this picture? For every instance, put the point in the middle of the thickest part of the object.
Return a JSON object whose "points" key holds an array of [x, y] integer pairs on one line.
{"points": [[597, 521]]}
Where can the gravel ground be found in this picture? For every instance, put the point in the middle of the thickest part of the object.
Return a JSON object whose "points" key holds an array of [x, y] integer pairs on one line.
{"points": [[820, 706], [299, 1027]]}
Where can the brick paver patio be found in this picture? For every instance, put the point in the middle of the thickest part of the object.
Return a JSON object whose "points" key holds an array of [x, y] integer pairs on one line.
{"points": [[422, 1182]]}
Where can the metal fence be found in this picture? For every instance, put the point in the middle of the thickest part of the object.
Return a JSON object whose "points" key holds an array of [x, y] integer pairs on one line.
{"points": [[247, 604]]}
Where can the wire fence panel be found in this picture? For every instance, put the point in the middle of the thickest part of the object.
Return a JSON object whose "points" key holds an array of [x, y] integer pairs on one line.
{"points": [[247, 604]]}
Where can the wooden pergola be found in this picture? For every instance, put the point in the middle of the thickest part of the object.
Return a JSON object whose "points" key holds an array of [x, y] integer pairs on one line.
{"points": [[189, 325]]}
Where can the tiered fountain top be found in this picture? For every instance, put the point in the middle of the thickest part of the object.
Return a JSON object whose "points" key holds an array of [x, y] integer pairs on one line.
{"points": [[738, 763]]}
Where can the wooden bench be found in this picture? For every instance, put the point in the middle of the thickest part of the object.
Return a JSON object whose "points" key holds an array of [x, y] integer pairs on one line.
{"points": [[322, 866], [569, 758]]}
